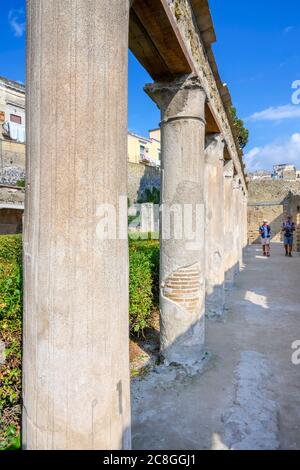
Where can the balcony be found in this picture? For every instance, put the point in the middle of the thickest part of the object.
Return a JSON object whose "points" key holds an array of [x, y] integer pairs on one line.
{"points": [[14, 131], [146, 160]]}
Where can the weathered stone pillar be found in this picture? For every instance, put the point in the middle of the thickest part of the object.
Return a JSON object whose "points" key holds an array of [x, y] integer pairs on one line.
{"points": [[229, 256], [241, 226], [214, 226], [245, 222], [182, 266], [237, 224], [242, 219], [246, 219], [75, 359]]}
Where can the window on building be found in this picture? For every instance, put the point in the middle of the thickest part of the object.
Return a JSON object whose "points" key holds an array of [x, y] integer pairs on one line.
{"points": [[16, 119], [142, 151]]}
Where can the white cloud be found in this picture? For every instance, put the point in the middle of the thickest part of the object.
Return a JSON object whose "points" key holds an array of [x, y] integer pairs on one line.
{"points": [[284, 151], [278, 113], [17, 22]]}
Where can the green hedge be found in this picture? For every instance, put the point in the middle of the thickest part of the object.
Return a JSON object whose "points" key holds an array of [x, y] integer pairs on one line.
{"points": [[143, 282], [143, 295], [11, 248], [10, 335]]}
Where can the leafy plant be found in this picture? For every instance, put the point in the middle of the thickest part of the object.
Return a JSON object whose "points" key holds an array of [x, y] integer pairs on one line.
{"points": [[21, 183], [151, 250], [143, 292], [11, 248], [140, 291], [143, 282], [11, 439], [151, 195], [241, 131], [10, 336]]}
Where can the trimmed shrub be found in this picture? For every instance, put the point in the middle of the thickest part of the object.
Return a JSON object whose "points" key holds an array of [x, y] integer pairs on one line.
{"points": [[140, 291], [143, 282], [10, 336], [143, 293], [11, 248]]}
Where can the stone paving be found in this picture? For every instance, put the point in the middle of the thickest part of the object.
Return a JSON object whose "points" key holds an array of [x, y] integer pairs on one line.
{"points": [[245, 393]]}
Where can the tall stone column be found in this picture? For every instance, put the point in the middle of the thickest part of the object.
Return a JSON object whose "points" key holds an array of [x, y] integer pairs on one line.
{"points": [[241, 225], [246, 219], [214, 226], [242, 220], [182, 264], [245, 224], [237, 224], [75, 357], [229, 221]]}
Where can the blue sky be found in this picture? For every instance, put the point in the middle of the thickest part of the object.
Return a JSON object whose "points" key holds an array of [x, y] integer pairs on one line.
{"points": [[258, 55]]}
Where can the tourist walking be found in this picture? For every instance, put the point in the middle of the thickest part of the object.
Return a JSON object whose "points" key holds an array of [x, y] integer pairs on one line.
{"points": [[288, 229], [265, 234]]}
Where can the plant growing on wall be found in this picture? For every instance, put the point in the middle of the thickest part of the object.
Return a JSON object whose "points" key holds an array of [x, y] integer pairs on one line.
{"points": [[241, 131], [21, 183]]}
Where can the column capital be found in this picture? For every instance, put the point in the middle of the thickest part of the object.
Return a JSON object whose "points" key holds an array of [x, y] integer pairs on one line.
{"points": [[214, 148], [181, 98]]}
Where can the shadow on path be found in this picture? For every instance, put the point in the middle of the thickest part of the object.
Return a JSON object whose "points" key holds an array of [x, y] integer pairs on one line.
{"points": [[246, 395]]}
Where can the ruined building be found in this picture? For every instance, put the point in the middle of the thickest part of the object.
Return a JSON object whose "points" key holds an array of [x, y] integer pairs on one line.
{"points": [[12, 155], [273, 200], [76, 392], [12, 131]]}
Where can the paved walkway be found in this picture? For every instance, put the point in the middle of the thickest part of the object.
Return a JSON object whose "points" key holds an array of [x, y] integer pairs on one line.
{"points": [[247, 395]]}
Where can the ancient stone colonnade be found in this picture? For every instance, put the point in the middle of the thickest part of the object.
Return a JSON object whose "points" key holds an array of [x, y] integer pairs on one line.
{"points": [[76, 362]]}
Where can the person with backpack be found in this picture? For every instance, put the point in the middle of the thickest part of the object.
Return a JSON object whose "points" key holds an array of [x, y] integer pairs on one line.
{"points": [[288, 229], [265, 234]]}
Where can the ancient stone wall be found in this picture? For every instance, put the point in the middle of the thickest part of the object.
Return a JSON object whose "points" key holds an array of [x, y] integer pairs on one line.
{"points": [[12, 162], [141, 177], [271, 200], [274, 213], [11, 221], [12, 169], [11, 210], [293, 208], [271, 190], [12, 196]]}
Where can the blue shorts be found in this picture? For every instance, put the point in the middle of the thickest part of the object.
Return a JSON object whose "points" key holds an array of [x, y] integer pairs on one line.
{"points": [[288, 239]]}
